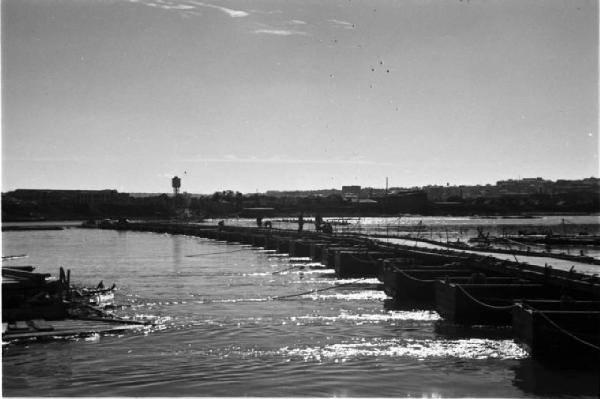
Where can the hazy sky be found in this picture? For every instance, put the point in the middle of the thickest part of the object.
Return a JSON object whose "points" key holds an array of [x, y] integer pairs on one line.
{"points": [[287, 94]]}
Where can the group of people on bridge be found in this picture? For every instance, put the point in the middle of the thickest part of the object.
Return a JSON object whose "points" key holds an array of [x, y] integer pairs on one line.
{"points": [[320, 225]]}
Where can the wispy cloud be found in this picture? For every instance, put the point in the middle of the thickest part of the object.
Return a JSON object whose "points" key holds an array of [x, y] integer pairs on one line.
{"points": [[181, 7], [281, 32], [165, 5], [254, 11], [295, 22], [343, 24], [189, 6], [228, 11]]}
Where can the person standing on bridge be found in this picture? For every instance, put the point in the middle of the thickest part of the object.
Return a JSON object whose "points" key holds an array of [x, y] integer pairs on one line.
{"points": [[318, 222], [300, 222]]}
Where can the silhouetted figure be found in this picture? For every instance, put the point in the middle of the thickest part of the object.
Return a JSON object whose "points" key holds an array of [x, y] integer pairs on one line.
{"points": [[327, 228], [300, 222], [318, 222], [259, 221], [220, 225], [100, 286]]}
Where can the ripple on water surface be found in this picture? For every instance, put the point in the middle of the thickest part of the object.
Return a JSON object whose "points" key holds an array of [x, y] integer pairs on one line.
{"points": [[419, 349], [218, 331]]}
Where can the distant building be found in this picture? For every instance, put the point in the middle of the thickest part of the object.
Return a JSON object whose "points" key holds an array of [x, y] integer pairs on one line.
{"points": [[533, 185], [566, 186], [413, 201], [512, 187], [302, 193], [442, 193], [351, 192], [75, 196]]}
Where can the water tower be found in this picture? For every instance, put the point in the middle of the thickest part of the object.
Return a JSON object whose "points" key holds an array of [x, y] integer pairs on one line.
{"points": [[176, 184]]}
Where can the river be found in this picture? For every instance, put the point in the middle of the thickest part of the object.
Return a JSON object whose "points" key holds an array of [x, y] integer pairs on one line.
{"points": [[219, 332]]}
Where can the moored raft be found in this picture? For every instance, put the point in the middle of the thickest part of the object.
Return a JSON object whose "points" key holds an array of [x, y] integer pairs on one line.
{"points": [[271, 242], [301, 248], [230, 236], [562, 332], [316, 250], [391, 272], [210, 234], [484, 303], [328, 252], [258, 240], [358, 263], [247, 238], [428, 258], [418, 282], [282, 244]]}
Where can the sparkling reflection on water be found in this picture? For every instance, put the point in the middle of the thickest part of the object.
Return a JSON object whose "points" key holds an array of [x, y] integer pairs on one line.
{"points": [[219, 333]]}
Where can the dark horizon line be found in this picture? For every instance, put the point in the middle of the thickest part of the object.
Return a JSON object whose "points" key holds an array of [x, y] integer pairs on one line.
{"points": [[297, 189]]}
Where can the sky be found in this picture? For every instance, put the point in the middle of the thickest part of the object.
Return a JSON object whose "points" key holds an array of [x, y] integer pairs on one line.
{"points": [[256, 95]]}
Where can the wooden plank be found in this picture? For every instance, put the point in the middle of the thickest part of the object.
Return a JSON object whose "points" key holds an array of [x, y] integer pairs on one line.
{"points": [[22, 268], [19, 326], [23, 273], [41, 325], [10, 280], [75, 331]]}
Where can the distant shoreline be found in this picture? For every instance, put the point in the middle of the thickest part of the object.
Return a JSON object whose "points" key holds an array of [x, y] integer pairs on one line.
{"points": [[74, 221]]}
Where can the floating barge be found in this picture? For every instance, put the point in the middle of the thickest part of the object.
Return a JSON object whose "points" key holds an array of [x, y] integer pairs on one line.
{"points": [[418, 282], [487, 303], [559, 331]]}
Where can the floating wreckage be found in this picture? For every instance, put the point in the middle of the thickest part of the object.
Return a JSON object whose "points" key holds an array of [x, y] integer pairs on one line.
{"points": [[36, 305]]}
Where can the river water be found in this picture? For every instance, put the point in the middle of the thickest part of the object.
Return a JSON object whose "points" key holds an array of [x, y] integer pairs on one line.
{"points": [[220, 332]]}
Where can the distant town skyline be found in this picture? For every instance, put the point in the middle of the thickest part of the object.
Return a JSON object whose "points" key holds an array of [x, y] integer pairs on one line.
{"points": [[296, 95], [590, 182]]}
